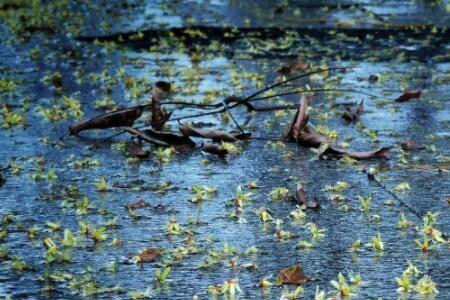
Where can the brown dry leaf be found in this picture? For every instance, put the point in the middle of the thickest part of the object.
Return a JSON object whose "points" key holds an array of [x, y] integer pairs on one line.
{"points": [[302, 199], [159, 115], [149, 254], [170, 138], [136, 150], [300, 132], [410, 145], [299, 122], [119, 118], [312, 140], [214, 149], [138, 204], [408, 96], [332, 152], [293, 66], [292, 275], [241, 136], [352, 114], [215, 135]]}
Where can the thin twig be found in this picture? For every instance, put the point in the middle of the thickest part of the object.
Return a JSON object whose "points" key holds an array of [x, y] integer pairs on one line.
{"points": [[444, 168], [236, 103], [232, 117], [374, 178], [267, 139], [275, 107], [198, 105], [320, 90], [292, 79], [244, 101]]}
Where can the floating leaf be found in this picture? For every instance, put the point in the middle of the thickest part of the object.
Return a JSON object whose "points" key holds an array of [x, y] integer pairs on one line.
{"points": [[404, 186], [98, 234], [302, 199], [312, 140], [376, 244], [426, 286], [264, 214], [68, 240], [119, 118], [138, 204], [149, 254], [170, 138], [162, 275], [300, 132], [408, 96], [293, 66], [326, 150], [279, 193], [352, 114], [343, 290], [215, 135], [54, 255], [101, 186], [410, 145], [292, 275], [17, 264], [136, 150]]}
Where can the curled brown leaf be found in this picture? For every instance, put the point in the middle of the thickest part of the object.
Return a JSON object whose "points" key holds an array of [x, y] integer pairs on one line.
{"points": [[292, 275], [313, 140], [299, 122], [352, 114], [170, 138], [382, 153], [149, 254], [215, 135], [119, 118], [302, 199], [136, 150], [408, 96], [214, 148], [300, 132], [302, 119]]}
